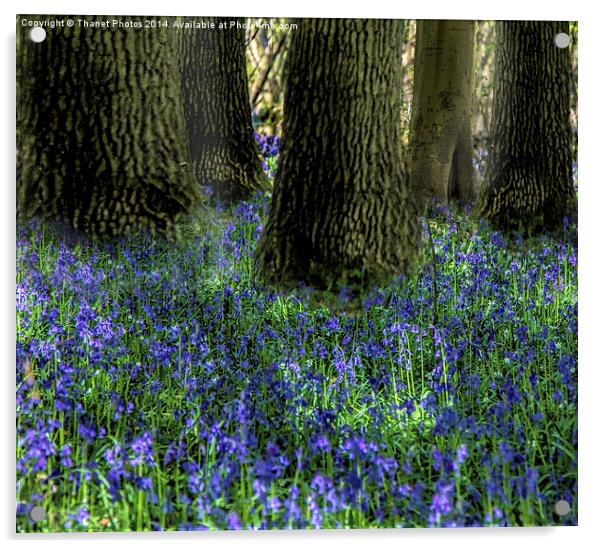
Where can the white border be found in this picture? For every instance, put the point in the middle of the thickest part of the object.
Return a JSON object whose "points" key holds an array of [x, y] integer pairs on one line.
{"points": [[590, 317]]}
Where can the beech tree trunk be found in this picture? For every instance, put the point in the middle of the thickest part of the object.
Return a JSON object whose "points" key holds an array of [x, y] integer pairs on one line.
{"points": [[342, 211], [528, 181], [441, 126], [101, 132], [218, 115]]}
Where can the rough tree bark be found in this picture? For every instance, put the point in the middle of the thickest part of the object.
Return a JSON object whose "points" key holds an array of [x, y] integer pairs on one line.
{"points": [[441, 127], [218, 115], [101, 131], [528, 181], [341, 211]]}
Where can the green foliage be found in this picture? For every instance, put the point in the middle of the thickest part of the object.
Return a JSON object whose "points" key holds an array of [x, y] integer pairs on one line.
{"points": [[150, 346]]}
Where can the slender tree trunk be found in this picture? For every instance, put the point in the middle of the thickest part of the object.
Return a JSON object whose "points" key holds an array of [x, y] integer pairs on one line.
{"points": [[484, 56], [218, 115], [341, 211], [101, 132], [528, 181], [441, 128], [259, 84]]}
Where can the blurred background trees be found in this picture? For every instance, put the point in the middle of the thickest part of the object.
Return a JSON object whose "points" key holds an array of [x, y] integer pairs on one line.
{"points": [[267, 41]]}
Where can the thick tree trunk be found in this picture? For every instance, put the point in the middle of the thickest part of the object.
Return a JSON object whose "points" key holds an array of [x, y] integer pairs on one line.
{"points": [[218, 115], [528, 180], [341, 210], [441, 128], [101, 131]]}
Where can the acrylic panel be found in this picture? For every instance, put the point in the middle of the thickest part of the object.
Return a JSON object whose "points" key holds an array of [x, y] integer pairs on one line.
{"points": [[295, 273]]}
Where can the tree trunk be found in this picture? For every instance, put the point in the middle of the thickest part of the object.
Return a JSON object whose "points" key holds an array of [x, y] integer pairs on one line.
{"points": [[101, 131], [218, 115], [441, 129], [528, 180], [341, 212]]}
